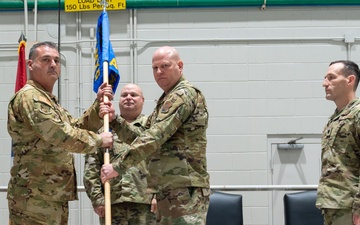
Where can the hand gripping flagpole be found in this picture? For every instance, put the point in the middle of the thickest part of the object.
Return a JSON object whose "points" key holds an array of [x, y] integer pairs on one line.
{"points": [[106, 129]]}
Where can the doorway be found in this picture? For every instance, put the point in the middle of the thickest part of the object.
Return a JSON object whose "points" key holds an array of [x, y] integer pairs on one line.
{"points": [[297, 166]]}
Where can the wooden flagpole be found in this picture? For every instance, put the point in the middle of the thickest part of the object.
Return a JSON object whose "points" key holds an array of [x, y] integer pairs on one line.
{"points": [[106, 154], [106, 129]]}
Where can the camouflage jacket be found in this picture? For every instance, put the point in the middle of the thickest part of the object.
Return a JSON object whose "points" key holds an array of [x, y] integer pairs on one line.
{"points": [[128, 187], [339, 182], [174, 142], [43, 135]]}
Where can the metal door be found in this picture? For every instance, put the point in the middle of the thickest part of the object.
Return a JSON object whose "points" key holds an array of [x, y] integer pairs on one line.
{"points": [[292, 167]]}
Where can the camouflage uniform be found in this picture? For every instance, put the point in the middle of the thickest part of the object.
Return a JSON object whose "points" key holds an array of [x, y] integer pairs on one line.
{"points": [[337, 217], [339, 182], [175, 146], [43, 177], [130, 197]]}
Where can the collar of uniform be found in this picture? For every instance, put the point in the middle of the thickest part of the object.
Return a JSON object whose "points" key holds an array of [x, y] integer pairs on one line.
{"points": [[346, 110], [163, 96], [39, 87]]}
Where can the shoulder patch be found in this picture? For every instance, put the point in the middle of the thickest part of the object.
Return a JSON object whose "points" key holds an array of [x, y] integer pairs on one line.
{"points": [[167, 105]]}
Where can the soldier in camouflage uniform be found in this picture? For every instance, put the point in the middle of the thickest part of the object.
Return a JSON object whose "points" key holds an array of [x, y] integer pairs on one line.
{"points": [[130, 197], [338, 191], [174, 143], [43, 177]]}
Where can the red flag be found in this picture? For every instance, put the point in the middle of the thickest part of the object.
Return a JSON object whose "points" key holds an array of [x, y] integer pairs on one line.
{"points": [[21, 72], [21, 76]]}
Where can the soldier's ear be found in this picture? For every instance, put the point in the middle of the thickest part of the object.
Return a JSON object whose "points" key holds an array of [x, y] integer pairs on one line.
{"points": [[29, 63], [351, 79], [180, 65]]}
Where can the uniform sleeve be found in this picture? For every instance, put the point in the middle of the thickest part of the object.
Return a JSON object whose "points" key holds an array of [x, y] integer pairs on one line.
{"points": [[53, 125], [356, 203], [90, 119], [127, 132], [92, 181], [173, 113]]}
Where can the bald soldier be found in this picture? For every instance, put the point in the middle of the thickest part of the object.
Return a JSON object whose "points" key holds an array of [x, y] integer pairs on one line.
{"points": [[130, 195], [174, 143]]}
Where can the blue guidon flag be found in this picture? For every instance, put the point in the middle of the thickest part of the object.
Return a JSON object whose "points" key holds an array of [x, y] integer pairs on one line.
{"points": [[104, 52]]}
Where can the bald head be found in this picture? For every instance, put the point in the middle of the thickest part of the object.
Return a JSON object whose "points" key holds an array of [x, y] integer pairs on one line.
{"points": [[131, 102], [167, 51], [167, 67]]}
